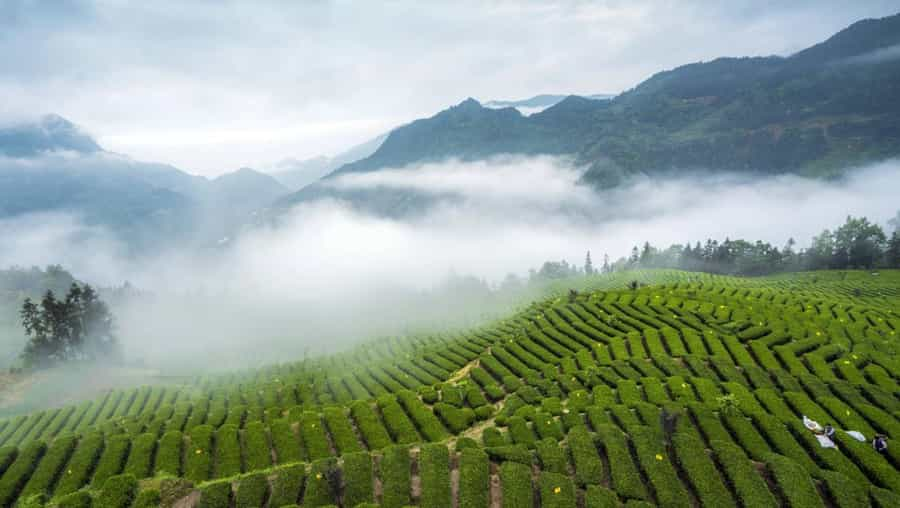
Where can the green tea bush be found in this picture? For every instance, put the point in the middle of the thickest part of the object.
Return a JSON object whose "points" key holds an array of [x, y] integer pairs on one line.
{"points": [[515, 484], [395, 477], [118, 492], [434, 470]]}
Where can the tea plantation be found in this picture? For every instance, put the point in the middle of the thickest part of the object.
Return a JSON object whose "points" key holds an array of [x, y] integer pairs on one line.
{"points": [[687, 390]]}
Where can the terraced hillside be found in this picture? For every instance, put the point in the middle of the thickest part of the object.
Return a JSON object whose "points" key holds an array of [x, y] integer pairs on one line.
{"points": [[685, 391]]}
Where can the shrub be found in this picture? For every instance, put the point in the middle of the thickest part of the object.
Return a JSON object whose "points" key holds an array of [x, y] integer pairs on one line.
{"points": [[251, 491], [434, 470], [7, 456], [357, 474], [370, 426], [557, 491], [599, 497], [287, 481], [484, 412], [701, 471], [493, 437], [451, 395], [80, 466], [651, 454], [395, 477], [215, 494], [285, 442], [427, 423], [515, 484], [111, 460], [49, 467], [313, 434], [398, 424], [455, 419], [626, 480], [465, 442], [140, 458], [546, 426], [228, 451], [520, 432], [18, 472], [883, 498], [494, 392], [257, 454], [429, 394], [844, 492], [514, 453], [588, 466], [749, 486], [323, 483], [474, 479], [118, 492], [168, 455], [474, 397], [793, 482], [512, 383], [748, 437], [552, 456], [198, 457]]}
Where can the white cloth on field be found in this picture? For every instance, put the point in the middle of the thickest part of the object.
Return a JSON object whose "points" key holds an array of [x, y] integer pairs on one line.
{"points": [[857, 435], [811, 424], [824, 442]]}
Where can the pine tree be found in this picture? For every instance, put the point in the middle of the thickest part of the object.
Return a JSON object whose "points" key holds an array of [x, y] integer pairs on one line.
{"points": [[588, 265]]}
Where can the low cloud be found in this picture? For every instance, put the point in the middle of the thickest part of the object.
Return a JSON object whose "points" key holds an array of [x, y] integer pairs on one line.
{"points": [[330, 274], [878, 56]]}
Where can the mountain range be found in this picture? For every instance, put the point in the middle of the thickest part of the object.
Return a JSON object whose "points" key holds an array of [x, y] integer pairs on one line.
{"points": [[833, 106], [52, 166], [818, 112]]}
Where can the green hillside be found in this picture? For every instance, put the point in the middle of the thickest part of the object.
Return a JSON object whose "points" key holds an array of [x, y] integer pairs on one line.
{"points": [[824, 110], [686, 391]]}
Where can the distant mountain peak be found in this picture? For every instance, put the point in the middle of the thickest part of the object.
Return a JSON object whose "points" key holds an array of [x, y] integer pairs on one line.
{"points": [[469, 104], [50, 133]]}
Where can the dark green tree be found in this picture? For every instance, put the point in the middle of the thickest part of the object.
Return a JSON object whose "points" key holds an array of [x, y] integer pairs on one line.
{"points": [[892, 253], [78, 327], [858, 243]]}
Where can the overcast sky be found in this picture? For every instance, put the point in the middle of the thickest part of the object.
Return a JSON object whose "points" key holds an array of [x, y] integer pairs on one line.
{"points": [[211, 86]]}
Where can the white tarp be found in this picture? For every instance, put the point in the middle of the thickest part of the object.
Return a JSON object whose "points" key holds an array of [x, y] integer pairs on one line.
{"points": [[811, 424], [857, 435], [824, 442]]}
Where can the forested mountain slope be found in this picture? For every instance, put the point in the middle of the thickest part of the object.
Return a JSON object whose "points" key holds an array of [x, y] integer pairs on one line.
{"points": [[818, 112]]}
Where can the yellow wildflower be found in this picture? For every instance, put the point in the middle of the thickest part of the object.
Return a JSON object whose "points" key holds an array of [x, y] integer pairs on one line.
{"points": [[659, 456], [318, 476], [198, 451], [557, 490]]}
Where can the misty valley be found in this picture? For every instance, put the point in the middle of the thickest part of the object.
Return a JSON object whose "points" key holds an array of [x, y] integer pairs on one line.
{"points": [[682, 294]]}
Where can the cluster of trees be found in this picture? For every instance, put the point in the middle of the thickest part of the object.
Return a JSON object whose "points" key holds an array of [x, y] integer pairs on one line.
{"points": [[856, 244], [76, 327]]}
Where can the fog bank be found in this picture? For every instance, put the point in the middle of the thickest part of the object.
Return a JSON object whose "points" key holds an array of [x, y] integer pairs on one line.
{"points": [[329, 275]]}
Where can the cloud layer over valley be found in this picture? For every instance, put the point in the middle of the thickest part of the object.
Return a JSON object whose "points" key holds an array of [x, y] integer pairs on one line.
{"points": [[329, 274]]}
